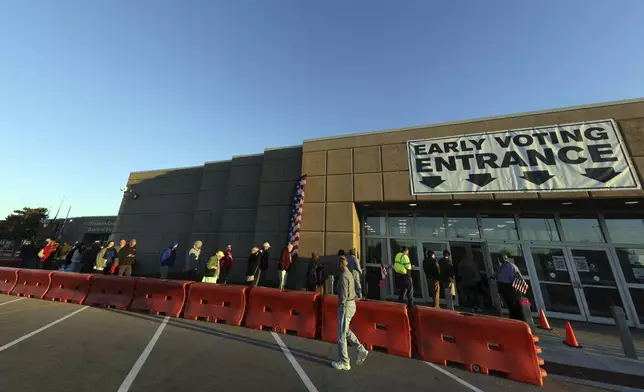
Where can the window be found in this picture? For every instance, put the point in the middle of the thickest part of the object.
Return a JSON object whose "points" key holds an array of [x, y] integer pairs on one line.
{"points": [[626, 231], [401, 225], [539, 229], [374, 225], [514, 252], [462, 227], [374, 250], [632, 263], [499, 228], [430, 226], [582, 230]]}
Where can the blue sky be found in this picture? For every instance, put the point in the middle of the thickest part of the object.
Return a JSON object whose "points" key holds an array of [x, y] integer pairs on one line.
{"points": [[92, 90]]}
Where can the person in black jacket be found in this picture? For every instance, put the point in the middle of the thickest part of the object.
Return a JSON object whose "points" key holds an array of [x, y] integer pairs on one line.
{"points": [[253, 266], [433, 274], [447, 273], [89, 257], [263, 264], [314, 273]]}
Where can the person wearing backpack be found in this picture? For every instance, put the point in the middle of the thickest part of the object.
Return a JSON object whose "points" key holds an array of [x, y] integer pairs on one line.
{"points": [[433, 274]]}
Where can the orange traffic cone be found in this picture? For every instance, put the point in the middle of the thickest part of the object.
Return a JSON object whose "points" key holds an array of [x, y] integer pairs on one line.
{"points": [[543, 321], [571, 339]]}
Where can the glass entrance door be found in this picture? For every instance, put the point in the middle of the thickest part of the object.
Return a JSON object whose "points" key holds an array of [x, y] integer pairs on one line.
{"points": [[576, 282], [437, 248]]}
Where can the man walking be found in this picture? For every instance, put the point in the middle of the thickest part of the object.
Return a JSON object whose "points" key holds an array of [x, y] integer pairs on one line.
{"points": [[356, 271], [346, 311], [285, 264], [402, 268], [192, 261], [505, 277]]}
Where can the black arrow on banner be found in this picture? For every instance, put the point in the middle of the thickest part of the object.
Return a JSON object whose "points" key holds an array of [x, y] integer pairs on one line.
{"points": [[601, 174], [537, 177], [481, 179], [432, 181]]}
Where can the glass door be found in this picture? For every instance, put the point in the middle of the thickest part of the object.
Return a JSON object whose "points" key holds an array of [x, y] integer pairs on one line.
{"points": [[558, 282], [437, 248], [395, 246], [595, 281]]}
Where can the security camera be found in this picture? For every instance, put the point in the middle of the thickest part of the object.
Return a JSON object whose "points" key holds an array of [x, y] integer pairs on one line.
{"points": [[125, 189]]}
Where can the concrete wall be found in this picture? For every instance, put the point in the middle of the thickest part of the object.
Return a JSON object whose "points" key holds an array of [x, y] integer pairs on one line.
{"points": [[372, 168], [244, 202]]}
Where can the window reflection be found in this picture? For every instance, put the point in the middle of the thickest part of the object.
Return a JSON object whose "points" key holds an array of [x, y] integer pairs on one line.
{"points": [[626, 231], [374, 225], [514, 252], [401, 225], [539, 229], [632, 263], [374, 250], [499, 228], [430, 226], [582, 230], [462, 227]]}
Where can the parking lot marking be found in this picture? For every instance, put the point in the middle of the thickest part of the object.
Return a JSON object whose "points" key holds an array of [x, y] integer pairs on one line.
{"points": [[300, 372], [39, 330], [15, 300], [455, 378], [129, 379]]}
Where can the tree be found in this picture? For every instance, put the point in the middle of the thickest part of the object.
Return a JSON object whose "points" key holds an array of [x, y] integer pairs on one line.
{"points": [[22, 224]]}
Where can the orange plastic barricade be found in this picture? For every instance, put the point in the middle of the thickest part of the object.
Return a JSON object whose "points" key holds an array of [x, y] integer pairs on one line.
{"points": [[160, 296], [68, 287], [481, 343], [376, 323], [283, 311], [217, 303], [111, 291], [32, 283], [8, 279]]}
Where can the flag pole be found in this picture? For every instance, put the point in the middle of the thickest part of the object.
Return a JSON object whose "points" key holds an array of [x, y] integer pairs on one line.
{"points": [[60, 233]]}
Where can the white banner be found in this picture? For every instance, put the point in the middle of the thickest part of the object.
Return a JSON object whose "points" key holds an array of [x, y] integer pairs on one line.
{"points": [[572, 157]]}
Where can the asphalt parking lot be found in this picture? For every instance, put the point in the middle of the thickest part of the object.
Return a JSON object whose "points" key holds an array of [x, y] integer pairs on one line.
{"points": [[50, 346]]}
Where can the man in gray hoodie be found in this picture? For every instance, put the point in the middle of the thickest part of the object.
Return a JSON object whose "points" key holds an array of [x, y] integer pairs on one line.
{"points": [[346, 311]]}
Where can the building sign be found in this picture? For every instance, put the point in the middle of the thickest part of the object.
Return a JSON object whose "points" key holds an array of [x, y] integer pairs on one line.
{"points": [[582, 156], [100, 226]]}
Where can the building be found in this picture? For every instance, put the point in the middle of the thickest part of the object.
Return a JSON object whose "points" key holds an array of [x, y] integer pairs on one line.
{"points": [[84, 229], [559, 191]]}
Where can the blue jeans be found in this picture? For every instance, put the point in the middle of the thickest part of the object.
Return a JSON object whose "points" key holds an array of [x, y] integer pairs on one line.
{"points": [[345, 314]]}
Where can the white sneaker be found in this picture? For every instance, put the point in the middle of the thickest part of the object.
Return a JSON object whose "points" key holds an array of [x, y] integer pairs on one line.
{"points": [[339, 365], [362, 355]]}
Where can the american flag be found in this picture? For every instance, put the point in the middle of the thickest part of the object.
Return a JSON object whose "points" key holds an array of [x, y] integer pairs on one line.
{"points": [[297, 205], [520, 285]]}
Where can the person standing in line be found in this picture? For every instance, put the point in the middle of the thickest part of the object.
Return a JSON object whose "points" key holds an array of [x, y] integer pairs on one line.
{"points": [[89, 257], [28, 255], [286, 260], [61, 253], [77, 258], [226, 263], [356, 270], [122, 243], [264, 261], [211, 273], [192, 261], [505, 277], [346, 311], [127, 254], [105, 261], [48, 254], [402, 268], [314, 273], [168, 257], [100, 257], [448, 275], [252, 267], [433, 275]]}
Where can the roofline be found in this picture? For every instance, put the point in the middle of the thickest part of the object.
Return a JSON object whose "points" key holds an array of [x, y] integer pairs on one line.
{"points": [[170, 168], [504, 116]]}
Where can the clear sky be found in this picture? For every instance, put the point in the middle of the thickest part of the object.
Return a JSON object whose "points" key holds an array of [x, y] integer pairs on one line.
{"points": [[92, 90]]}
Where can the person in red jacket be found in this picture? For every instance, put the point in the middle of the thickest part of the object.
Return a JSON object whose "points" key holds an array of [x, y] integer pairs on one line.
{"points": [[47, 255], [225, 264], [285, 264]]}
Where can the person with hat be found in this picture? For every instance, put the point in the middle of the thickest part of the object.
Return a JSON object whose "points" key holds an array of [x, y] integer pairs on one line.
{"points": [[264, 258], [211, 274]]}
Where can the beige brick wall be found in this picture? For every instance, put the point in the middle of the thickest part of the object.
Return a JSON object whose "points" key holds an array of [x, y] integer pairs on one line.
{"points": [[374, 167]]}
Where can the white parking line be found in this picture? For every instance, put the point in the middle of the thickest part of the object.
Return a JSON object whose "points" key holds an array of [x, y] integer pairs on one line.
{"points": [[39, 330], [455, 378], [15, 300], [300, 372], [129, 379]]}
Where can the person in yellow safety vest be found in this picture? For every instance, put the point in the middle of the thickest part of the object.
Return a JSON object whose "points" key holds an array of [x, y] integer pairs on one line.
{"points": [[402, 268]]}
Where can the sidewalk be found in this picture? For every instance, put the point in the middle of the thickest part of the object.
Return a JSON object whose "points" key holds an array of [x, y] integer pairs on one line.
{"points": [[601, 358]]}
